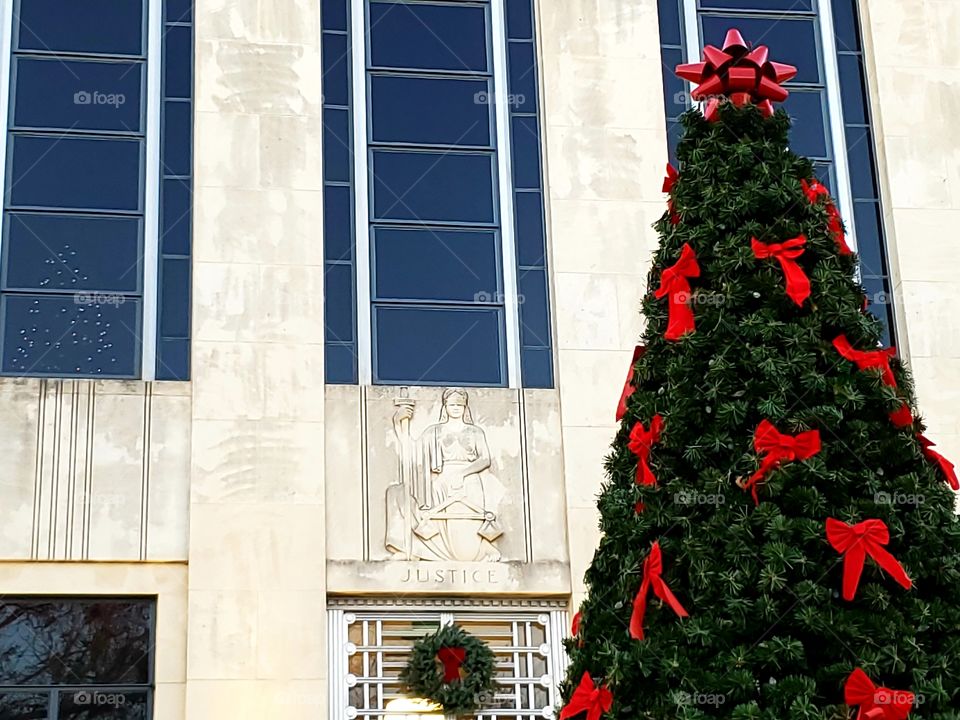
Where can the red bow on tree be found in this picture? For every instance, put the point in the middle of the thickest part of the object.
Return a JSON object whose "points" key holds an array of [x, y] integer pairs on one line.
{"points": [[778, 448], [815, 190], [855, 542], [452, 659], [902, 417], [786, 253], [868, 359], [946, 467], [575, 625], [668, 183], [641, 441], [652, 580], [674, 282], [736, 72], [876, 703], [588, 698], [628, 387]]}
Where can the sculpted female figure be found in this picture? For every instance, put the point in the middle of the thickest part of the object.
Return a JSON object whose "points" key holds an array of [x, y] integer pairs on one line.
{"points": [[437, 510]]}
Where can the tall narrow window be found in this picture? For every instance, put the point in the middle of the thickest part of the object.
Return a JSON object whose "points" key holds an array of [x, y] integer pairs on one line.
{"points": [[95, 195], [440, 278], [828, 102], [75, 659]]}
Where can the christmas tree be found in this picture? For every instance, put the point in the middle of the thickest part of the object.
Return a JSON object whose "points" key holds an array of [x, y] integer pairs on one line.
{"points": [[779, 540]]}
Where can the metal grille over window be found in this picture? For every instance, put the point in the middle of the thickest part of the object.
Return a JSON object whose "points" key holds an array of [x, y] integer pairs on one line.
{"points": [[369, 646]]}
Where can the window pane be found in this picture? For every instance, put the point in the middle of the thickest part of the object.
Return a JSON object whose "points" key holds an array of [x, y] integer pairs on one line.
{"points": [[173, 359], [23, 706], [83, 334], [178, 10], [175, 298], [436, 345], [526, 153], [860, 157], [177, 131], [869, 238], [60, 642], [534, 318], [675, 90], [336, 58], [519, 20], [77, 94], [845, 25], [537, 367], [340, 364], [175, 221], [80, 173], [523, 78], [762, 5], [790, 41], [853, 96], [177, 62], [337, 157], [98, 704], [670, 23], [337, 223], [334, 14], [438, 111], [433, 186], [426, 264], [528, 208], [71, 26], [808, 133], [429, 36], [339, 323], [72, 252]]}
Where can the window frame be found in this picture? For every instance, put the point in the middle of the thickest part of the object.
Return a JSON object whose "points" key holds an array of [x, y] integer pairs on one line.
{"points": [[54, 692], [501, 142], [147, 329]]}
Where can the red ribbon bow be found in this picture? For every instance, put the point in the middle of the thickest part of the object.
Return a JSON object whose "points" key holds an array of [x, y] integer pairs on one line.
{"points": [[868, 359], [628, 387], [876, 703], [855, 542], [652, 571], [641, 441], [452, 658], [778, 448], [946, 467], [814, 190], [739, 73], [786, 253], [588, 698], [674, 282], [902, 417], [668, 183]]}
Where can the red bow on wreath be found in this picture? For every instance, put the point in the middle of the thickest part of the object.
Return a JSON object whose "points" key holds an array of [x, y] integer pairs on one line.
{"points": [[674, 282], [736, 72], [652, 580], [668, 183], [868, 359], [815, 190], [876, 703], [640, 444], [946, 467], [786, 253], [778, 448], [452, 659], [588, 698], [855, 542]]}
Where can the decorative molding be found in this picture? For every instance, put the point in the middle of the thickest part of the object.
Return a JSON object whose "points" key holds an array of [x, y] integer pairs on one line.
{"points": [[337, 602]]}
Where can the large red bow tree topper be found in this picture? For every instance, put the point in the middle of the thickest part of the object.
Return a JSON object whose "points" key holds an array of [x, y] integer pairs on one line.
{"points": [[738, 74]]}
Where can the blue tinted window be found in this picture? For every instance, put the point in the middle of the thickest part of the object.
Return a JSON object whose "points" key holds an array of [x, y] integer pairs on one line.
{"points": [[671, 25], [523, 78], [78, 94], [175, 217], [178, 128], [759, 5], [432, 111], [338, 285], [519, 19], [528, 208], [853, 96], [90, 26], [334, 14], [336, 72], [175, 307], [450, 345], [534, 318], [178, 62], [433, 186], [428, 36], [340, 363], [526, 152], [808, 133], [337, 223], [88, 334], [793, 40], [75, 172], [675, 96], [337, 156], [860, 158], [424, 264], [72, 252], [869, 235], [178, 11]]}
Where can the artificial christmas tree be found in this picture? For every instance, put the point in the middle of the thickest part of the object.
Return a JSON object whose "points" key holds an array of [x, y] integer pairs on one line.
{"points": [[779, 540]]}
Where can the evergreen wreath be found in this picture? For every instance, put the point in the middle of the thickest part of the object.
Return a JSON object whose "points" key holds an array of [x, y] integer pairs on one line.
{"points": [[451, 668]]}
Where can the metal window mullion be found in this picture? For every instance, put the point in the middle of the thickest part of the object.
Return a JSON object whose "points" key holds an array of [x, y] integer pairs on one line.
{"points": [[151, 205], [6, 47], [508, 253], [838, 138], [358, 10]]}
